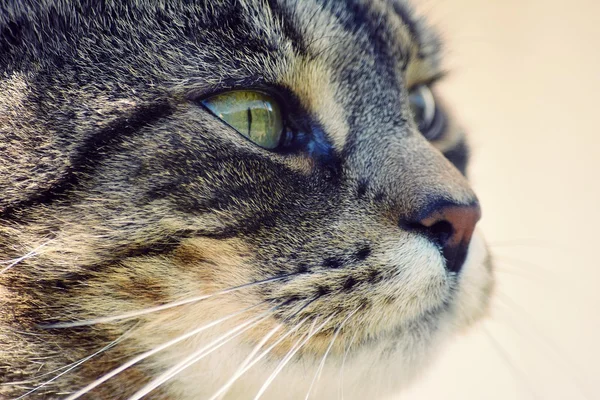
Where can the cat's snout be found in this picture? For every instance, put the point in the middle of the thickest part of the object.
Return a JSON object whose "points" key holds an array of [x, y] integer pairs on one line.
{"points": [[450, 226]]}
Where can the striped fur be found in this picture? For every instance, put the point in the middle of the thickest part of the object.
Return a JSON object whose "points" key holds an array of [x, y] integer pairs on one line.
{"points": [[120, 192]]}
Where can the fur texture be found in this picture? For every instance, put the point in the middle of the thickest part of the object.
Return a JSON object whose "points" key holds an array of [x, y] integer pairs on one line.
{"points": [[119, 192]]}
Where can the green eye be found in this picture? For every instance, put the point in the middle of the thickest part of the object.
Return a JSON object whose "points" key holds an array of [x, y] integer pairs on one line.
{"points": [[255, 115]]}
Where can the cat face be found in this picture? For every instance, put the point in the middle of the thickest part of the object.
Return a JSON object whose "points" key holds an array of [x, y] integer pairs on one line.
{"points": [[231, 192]]}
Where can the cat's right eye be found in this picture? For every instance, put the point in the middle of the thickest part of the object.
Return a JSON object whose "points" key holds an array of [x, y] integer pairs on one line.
{"points": [[254, 114]]}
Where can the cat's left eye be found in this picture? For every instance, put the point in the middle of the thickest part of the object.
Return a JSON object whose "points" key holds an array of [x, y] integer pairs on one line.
{"points": [[254, 114], [427, 115]]}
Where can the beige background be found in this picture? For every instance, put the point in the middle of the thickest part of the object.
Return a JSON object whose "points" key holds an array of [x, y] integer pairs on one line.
{"points": [[525, 80]]}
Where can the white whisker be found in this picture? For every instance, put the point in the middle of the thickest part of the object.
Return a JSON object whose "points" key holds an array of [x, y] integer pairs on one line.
{"points": [[32, 253], [283, 361], [322, 363], [517, 373], [289, 356], [76, 364], [530, 265], [200, 354], [347, 350], [250, 357], [528, 321], [526, 242], [150, 353], [166, 306], [239, 373]]}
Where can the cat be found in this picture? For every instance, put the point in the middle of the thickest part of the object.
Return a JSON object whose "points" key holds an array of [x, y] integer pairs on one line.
{"points": [[229, 199]]}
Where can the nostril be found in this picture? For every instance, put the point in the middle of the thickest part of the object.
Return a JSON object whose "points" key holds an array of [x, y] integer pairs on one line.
{"points": [[441, 232], [449, 227]]}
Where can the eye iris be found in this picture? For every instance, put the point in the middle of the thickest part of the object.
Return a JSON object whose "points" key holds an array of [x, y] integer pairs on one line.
{"points": [[253, 114]]}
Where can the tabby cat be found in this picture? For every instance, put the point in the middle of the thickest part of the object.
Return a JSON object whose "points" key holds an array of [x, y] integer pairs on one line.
{"points": [[228, 199]]}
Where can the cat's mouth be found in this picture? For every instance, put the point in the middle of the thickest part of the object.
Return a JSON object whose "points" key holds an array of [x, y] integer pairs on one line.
{"points": [[423, 298]]}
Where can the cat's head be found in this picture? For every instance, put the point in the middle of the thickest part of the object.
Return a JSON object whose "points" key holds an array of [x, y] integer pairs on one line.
{"points": [[276, 173]]}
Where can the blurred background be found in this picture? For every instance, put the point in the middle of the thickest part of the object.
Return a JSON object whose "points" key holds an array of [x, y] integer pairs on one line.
{"points": [[525, 81]]}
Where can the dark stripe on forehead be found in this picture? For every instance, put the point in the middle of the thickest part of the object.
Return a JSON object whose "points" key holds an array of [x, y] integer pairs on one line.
{"points": [[87, 156], [288, 20], [364, 17], [360, 16]]}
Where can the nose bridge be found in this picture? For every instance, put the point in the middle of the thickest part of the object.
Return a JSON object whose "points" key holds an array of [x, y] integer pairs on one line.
{"points": [[427, 178], [413, 175]]}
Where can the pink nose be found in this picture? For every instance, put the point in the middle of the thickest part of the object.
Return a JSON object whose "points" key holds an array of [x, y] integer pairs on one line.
{"points": [[451, 227]]}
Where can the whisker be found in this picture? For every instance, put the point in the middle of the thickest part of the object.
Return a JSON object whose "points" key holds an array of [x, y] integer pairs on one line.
{"points": [[347, 350], [15, 261], [538, 333], [166, 306], [249, 359], [237, 375], [527, 270], [150, 353], [517, 373], [289, 356], [200, 354], [284, 360], [525, 242], [525, 263], [76, 364], [322, 363], [502, 267]]}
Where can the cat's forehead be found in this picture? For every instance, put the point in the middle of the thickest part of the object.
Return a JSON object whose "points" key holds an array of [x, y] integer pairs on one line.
{"points": [[387, 30], [224, 39], [340, 59], [384, 36]]}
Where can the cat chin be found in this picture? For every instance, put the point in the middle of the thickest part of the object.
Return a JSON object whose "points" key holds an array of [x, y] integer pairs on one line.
{"points": [[377, 370]]}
